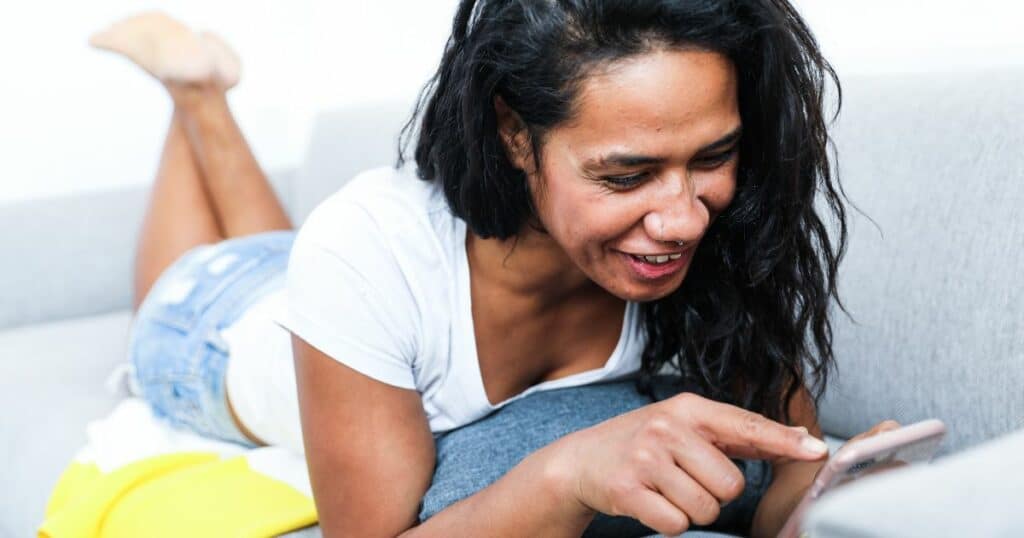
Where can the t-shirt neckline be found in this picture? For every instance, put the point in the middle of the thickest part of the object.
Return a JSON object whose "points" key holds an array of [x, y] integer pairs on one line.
{"points": [[469, 334]]}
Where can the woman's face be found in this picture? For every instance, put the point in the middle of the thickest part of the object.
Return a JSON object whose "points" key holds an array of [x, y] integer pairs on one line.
{"points": [[649, 159]]}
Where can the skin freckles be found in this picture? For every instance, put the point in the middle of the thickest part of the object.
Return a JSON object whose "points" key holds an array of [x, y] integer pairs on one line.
{"points": [[662, 109]]}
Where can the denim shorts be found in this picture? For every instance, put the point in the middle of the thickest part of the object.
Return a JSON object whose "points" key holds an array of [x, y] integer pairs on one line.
{"points": [[178, 357]]}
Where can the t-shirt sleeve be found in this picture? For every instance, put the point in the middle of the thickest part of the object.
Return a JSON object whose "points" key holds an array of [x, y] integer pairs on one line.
{"points": [[348, 297]]}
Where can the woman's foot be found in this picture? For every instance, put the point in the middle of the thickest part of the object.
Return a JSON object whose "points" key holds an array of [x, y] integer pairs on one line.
{"points": [[171, 51], [227, 65]]}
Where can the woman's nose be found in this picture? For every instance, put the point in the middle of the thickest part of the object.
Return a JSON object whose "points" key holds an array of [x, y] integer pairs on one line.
{"points": [[678, 214]]}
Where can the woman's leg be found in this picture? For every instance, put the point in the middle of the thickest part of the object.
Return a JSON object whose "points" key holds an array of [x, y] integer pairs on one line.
{"points": [[209, 186], [179, 215], [241, 196]]}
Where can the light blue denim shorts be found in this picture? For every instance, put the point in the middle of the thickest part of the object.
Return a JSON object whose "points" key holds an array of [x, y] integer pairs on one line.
{"points": [[175, 346]]}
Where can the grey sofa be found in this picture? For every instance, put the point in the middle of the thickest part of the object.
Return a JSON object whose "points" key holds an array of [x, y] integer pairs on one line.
{"points": [[931, 277]]}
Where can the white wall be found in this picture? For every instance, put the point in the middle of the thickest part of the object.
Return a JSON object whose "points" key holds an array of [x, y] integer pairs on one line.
{"points": [[73, 118]]}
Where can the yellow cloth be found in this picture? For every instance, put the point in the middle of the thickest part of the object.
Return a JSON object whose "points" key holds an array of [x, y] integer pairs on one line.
{"points": [[193, 494]]}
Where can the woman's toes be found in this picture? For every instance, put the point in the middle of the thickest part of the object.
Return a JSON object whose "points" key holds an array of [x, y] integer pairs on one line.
{"points": [[159, 44], [227, 65]]}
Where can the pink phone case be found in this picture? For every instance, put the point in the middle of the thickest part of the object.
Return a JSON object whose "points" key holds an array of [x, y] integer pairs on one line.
{"points": [[913, 443]]}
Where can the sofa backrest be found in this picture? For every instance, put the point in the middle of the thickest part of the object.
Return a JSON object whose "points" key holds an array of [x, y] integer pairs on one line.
{"points": [[937, 162], [71, 256], [345, 142]]}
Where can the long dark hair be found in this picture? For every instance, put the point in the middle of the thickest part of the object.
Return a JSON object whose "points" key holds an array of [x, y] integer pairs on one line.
{"points": [[750, 323]]}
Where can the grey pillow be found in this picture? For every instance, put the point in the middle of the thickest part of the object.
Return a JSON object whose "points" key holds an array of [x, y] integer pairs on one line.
{"points": [[975, 492]]}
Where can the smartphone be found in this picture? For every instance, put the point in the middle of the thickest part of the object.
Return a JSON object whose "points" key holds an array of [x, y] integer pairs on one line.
{"points": [[914, 443]]}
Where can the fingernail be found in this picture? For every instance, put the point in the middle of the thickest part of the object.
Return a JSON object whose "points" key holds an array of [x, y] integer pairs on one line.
{"points": [[800, 429], [814, 445]]}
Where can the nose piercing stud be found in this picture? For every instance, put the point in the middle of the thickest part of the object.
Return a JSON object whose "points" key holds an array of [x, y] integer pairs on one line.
{"points": [[680, 243]]}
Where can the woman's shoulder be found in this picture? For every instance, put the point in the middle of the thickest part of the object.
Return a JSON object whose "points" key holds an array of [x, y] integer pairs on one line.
{"points": [[386, 213]]}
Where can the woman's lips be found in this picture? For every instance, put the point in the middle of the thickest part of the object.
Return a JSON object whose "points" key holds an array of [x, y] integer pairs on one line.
{"points": [[650, 271]]}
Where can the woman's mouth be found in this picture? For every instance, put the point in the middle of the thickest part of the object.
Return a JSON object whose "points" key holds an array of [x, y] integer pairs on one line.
{"points": [[656, 267]]}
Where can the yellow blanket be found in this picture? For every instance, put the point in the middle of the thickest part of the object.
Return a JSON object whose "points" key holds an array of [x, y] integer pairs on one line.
{"points": [[138, 476]]}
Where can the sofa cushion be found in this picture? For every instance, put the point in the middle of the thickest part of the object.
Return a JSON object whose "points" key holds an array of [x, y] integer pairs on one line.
{"points": [[935, 161], [53, 377], [971, 493]]}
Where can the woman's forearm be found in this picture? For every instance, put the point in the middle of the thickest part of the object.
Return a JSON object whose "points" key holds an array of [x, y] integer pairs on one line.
{"points": [[532, 499], [781, 498], [772, 512]]}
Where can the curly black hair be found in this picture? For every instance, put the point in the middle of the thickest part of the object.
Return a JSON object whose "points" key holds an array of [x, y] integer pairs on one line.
{"points": [[750, 323]]}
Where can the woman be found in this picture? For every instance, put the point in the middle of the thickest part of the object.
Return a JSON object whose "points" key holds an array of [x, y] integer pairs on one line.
{"points": [[600, 190]]}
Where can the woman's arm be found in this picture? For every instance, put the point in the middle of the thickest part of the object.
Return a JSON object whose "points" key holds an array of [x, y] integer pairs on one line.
{"points": [[784, 493], [368, 447], [790, 478], [371, 458], [531, 499], [658, 464]]}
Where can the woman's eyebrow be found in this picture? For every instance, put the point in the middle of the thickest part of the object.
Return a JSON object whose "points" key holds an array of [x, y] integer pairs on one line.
{"points": [[628, 160], [723, 142]]}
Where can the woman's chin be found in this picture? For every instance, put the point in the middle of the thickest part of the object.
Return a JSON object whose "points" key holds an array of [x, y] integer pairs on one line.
{"points": [[629, 290]]}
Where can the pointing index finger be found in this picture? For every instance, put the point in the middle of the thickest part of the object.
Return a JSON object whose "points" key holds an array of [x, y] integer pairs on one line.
{"points": [[741, 433]]}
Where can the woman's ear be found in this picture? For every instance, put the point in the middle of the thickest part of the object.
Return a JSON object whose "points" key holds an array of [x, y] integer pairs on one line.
{"points": [[514, 136]]}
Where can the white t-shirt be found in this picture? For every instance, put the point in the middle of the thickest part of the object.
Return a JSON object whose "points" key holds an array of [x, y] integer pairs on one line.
{"points": [[378, 279]]}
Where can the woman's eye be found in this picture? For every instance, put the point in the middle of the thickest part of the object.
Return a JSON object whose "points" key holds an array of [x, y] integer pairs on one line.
{"points": [[715, 161], [625, 181]]}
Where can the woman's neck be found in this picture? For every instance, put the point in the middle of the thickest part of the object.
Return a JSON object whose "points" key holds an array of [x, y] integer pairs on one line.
{"points": [[536, 268]]}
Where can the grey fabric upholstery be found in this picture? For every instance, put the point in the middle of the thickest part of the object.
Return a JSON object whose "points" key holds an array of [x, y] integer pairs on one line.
{"points": [[345, 142], [936, 161], [69, 256], [53, 384], [72, 256]]}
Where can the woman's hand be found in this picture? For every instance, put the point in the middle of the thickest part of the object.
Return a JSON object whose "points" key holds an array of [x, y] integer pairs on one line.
{"points": [[883, 426], [667, 464]]}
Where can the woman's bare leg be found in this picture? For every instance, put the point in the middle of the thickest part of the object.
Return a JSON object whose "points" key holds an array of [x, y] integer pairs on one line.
{"points": [[209, 186], [179, 215], [240, 194]]}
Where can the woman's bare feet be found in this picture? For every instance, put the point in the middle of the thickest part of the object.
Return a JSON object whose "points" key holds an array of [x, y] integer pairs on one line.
{"points": [[171, 51], [227, 65]]}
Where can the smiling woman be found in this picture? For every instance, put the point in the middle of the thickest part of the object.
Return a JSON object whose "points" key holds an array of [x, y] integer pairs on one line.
{"points": [[600, 189], [616, 130]]}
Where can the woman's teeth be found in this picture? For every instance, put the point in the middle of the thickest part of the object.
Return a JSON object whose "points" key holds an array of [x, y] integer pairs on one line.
{"points": [[658, 259]]}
